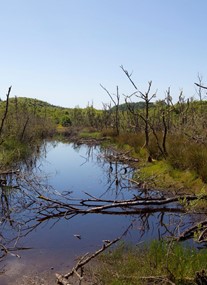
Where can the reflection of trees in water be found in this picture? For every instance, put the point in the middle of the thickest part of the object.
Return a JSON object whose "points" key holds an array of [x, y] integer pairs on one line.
{"points": [[18, 199], [116, 172]]}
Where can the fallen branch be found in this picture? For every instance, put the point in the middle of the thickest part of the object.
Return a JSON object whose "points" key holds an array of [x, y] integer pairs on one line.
{"points": [[200, 227], [63, 279], [57, 208], [6, 250]]}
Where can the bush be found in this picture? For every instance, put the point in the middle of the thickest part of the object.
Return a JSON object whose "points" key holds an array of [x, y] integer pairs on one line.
{"points": [[66, 121]]}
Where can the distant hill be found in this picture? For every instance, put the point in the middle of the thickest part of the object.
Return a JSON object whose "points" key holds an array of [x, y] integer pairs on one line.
{"points": [[30, 102]]}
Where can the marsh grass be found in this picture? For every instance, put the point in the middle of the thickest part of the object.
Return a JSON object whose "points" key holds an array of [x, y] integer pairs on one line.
{"points": [[164, 176], [12, 150], [130, 265], [185, 154], [89, 133]]}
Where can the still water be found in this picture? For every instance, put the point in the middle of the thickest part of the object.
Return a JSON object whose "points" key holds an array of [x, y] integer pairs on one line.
{"points": [[83, 172]]}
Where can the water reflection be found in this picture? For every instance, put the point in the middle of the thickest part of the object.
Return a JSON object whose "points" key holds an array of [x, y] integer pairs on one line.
{"points": [[53, 198]]}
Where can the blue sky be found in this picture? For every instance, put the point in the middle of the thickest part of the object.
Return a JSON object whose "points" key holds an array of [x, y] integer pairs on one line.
{"points": [[60, 51]]}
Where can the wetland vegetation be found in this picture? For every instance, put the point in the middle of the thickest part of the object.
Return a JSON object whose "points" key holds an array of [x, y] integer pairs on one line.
{"points": [[164, 142]]}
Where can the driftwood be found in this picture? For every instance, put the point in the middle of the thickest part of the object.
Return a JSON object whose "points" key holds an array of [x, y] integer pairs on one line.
{"points": [[63, 279]]}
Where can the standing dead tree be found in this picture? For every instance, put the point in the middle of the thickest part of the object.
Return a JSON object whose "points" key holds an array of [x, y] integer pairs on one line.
{"points": [[6, 111], [116, 104], [147, 99], [166, 110], [200, 87], [106, 115]]}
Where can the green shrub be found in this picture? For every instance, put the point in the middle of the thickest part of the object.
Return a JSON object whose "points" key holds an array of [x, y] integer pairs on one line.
{"points": [[66, 121]]}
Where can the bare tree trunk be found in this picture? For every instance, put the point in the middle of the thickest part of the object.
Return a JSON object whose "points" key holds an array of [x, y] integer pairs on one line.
{"points": [[147, 123], [6, 110], [147, 98], [165, 131], [24, 129], [116, 104]]}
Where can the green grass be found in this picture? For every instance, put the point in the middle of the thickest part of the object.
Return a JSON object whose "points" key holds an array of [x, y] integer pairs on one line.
{"points": [[12, 151], [87, 134], [162, 175], [134, 265]]}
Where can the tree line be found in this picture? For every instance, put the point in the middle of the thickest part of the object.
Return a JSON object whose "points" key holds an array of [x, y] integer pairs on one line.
{"points": [[165, 130]]}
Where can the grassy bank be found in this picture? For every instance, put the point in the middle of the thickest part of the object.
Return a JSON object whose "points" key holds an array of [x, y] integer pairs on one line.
{"points": [[157, 263], [163, 176], [14, 151]]}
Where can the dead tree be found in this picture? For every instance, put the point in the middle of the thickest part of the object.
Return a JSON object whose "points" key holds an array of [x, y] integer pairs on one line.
{"points": [[135, 114], [147, 99], [116, 104], [106, 115], [200, 87], [6, 110], [165, 115]]}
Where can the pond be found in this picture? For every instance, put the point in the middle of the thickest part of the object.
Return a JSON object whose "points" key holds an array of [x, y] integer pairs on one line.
{"points": [[52, 244]]}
